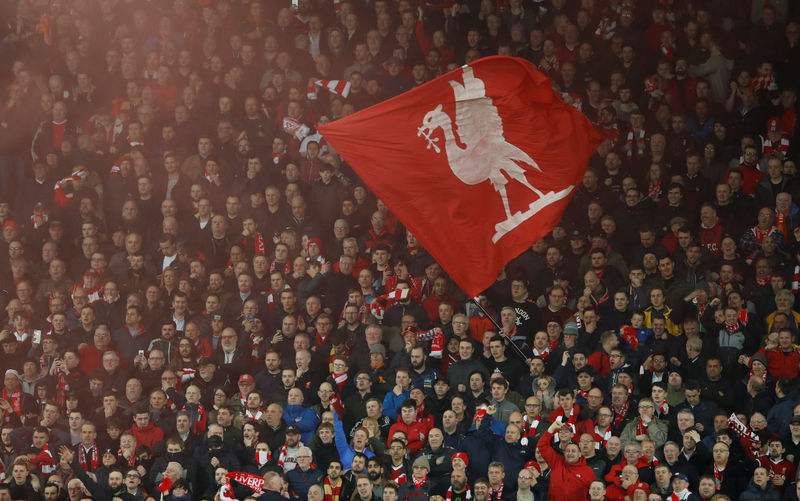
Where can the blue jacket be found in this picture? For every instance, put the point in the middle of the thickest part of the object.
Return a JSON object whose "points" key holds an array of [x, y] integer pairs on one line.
{"points": [[304, 418], [300, 481], [346, 453], [391, 403]]}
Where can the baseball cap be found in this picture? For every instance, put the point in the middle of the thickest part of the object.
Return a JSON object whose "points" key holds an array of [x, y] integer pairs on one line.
{"points": [[12, 372], [292, 428], [246, 378], [207, 361], [377, 348], [681, 476], [795, 420]]}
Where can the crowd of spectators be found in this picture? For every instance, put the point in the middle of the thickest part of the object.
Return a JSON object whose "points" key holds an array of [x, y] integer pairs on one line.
{"points": [[194, 282]]}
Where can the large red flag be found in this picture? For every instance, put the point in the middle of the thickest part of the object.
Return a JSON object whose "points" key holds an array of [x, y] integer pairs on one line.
{"points": [[478, 163]]}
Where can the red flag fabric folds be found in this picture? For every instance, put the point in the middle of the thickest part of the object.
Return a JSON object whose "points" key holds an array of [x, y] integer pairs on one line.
{"points": [[478, 163]]}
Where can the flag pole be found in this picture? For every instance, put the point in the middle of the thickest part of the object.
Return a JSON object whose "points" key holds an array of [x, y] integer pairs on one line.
{"points": [[500, 329]]}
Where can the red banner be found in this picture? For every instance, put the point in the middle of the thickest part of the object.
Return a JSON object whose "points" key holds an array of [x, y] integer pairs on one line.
{"points": [[478, 164], [247, 479]]}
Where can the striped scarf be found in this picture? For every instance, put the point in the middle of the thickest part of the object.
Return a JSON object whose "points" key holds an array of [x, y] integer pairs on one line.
{"points": [[332, 492]]}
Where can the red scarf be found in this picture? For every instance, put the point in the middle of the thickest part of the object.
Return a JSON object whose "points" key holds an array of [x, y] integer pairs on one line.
{"points": [[718, 474], [601, 437], [449, 495], [340, 380], [62, 387], [321, 341], [759, 234], [282, 455], [331, 492], [654, 190], [15, 400], [45, 461], [763, 376], [131, 461], [641, 428], [253, 418], [417, 482], [528, 430], [731, 327], [496, 494], [780, 223], [542, 354], [620, 416], [95, 459], [763, 281], [199, 426], [640, 143]]}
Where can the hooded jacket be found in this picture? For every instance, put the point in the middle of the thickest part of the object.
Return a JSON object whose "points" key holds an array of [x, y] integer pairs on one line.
{"points": [[567, 481]]}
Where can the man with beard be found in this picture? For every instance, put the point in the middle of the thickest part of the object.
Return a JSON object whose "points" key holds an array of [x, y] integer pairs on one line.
{"points": [[459, 490]]}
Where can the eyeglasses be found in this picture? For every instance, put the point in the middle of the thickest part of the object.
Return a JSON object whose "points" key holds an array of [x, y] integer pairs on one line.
{"points": [[459, 323], [525, 478], [533, 405], [604, 415], [132, 475]]}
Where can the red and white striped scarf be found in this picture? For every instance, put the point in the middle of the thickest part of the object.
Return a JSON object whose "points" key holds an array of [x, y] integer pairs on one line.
{"points": [[282, 455], [95, 457], [378, 308], [496, 494], [529, 429], [254, 418], [340, 380], [601, 437], [640, 145], [796, 280]]}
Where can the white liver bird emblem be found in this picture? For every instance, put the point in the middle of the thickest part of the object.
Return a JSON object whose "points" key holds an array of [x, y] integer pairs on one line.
{"points": [[481, 151]]}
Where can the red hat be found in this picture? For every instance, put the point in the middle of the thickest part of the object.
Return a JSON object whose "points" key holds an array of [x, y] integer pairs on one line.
{"points": [[91, 272], [246, 378], [11, 224], [638, 486], [317, 241], [772, 125], [462, 456], [534, 465]]}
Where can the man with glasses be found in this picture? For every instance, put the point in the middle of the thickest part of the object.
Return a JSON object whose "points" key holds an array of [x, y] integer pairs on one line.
{"points": [[229, 358], [303, 476], [534, 425], [645, 426], [92, 354], [655, 371]]}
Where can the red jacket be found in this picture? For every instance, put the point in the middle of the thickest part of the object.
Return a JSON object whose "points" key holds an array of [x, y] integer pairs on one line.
{"points": [[148, 435], [416, 432], [780, 364], [568, 482]]}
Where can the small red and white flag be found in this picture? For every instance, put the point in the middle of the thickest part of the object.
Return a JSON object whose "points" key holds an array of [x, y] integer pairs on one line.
{"points": [[338, 87], [311, 92]]}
